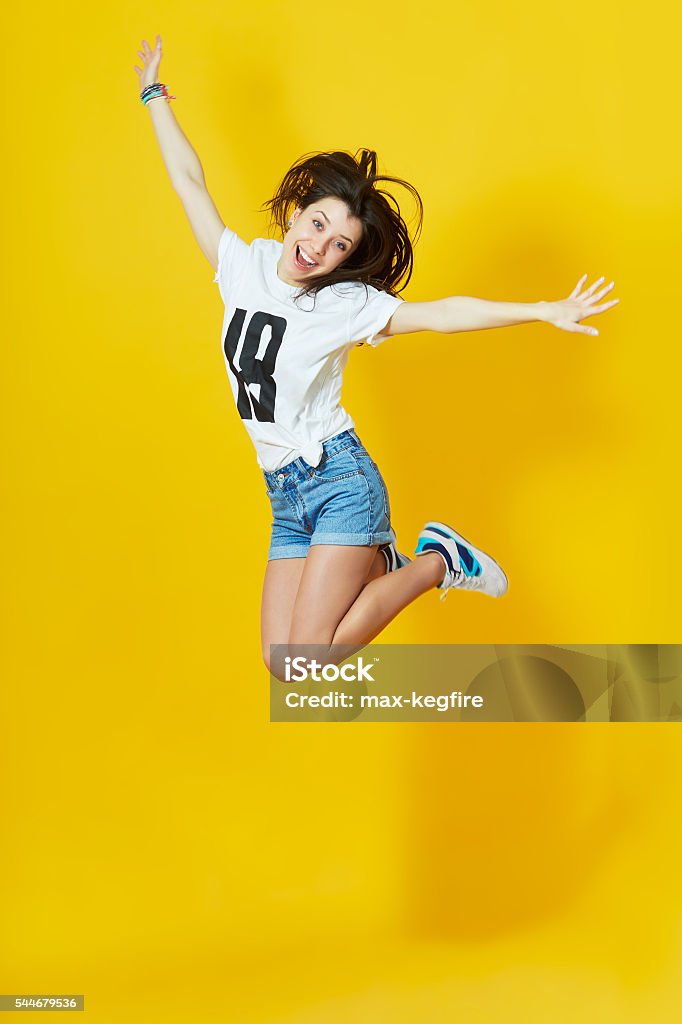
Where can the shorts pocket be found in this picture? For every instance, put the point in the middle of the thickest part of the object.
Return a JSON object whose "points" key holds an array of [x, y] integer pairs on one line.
{"points": [[337, 466]]}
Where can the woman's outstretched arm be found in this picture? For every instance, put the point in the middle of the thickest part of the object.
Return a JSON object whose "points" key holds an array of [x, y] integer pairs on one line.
{"points": [[182, 163], [466, 313]]}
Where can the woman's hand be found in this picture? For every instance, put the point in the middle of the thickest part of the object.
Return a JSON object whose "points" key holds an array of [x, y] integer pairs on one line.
{"points": [[149, 72], [567, 313]]}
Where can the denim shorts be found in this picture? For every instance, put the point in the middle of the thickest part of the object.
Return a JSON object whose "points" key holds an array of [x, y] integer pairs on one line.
{"points": [[343, 500]]}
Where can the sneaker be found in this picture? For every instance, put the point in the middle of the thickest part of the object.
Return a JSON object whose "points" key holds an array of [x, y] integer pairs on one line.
{"points": [[394, 558], [466, 566]]}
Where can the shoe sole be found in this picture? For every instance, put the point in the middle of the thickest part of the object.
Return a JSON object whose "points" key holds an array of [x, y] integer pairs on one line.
{"points": [[488, 564]]}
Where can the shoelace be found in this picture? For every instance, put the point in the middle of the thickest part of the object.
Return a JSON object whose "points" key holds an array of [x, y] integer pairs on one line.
{"points": [[460, 579], [455, 575]]}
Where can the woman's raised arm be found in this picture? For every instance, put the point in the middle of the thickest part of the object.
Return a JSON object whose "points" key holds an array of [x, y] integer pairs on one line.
{"points": [[178, 155], [182, 163]]}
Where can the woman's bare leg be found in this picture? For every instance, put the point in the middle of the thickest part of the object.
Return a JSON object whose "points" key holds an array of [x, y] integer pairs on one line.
{"points": [[383, 599], [335, 605], [280, 588]]}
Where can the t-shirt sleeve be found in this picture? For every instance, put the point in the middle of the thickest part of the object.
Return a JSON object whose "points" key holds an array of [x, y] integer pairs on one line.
{"points": [[371, 314], [232, 253]]}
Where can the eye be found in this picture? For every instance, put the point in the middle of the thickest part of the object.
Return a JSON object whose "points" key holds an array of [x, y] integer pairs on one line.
{"points": [[317, 222]]}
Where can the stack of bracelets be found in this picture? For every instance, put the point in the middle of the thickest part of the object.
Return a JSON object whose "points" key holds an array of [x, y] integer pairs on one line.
{"points": [[150, 92]]}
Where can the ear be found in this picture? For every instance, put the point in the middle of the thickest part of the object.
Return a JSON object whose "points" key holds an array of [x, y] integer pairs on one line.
{"points": [[293, 218]]}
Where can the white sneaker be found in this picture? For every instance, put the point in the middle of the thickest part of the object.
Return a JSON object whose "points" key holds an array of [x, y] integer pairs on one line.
{"points": [[465, 566]]}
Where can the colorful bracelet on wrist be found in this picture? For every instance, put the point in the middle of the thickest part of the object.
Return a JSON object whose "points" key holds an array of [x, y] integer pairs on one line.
{"points": [[150, 92]]}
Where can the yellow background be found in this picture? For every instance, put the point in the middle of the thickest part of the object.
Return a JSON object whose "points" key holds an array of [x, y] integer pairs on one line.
{"points": [[167, 851]]}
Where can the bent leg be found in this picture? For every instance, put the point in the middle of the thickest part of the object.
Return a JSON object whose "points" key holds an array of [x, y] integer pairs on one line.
{"points": [[335, 607], [333, 576], [280, 589], [384, 598]]}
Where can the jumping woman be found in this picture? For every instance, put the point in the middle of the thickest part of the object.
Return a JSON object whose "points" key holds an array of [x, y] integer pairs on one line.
{"points": [[293, 311]]}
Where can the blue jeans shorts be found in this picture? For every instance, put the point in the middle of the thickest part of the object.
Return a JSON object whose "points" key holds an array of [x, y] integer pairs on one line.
{"points": [[343, 500]]}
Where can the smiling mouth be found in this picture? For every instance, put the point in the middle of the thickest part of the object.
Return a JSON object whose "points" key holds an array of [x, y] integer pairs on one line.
{"points": [[300, 260]]}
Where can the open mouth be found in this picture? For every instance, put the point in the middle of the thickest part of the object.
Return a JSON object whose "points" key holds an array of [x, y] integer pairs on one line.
{"points": [[302, 261]]}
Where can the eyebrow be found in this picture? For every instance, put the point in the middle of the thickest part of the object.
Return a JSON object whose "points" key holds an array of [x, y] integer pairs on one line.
{"points": [[349, 240]]}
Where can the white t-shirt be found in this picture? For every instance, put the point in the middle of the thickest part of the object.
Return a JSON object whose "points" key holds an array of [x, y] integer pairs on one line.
{"points": [[285, 360]]}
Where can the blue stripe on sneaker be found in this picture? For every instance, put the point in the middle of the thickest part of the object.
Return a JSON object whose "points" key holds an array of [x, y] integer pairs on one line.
{"points": [[471, 565], [424, 544]]}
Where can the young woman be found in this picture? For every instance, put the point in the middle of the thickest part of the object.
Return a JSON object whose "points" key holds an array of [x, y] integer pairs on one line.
{"points": [[293, 311]]}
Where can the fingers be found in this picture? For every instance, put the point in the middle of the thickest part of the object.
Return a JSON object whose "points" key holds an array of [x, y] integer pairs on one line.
{"points": [[589, 294], [577, 328], [149, 57], [577, 287], [582, 329], [591, 289], [146, 53], [603, 292], [604, 307]]}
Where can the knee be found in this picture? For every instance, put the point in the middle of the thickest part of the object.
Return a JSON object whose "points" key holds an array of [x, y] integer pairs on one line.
{"points": [[273, 659], [303, 649]]}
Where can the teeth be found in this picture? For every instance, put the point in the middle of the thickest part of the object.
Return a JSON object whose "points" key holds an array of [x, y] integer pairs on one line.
{"points": [[310, 263]]}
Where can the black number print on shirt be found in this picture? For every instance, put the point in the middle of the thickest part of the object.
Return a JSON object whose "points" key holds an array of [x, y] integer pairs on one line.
{"points": [[252, 370]]}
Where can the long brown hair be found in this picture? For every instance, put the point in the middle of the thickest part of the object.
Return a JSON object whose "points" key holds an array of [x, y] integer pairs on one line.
{"points": [[384, 255]]}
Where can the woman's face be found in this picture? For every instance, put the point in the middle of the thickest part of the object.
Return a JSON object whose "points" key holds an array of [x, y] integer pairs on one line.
{"points": [[321, 237]]}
